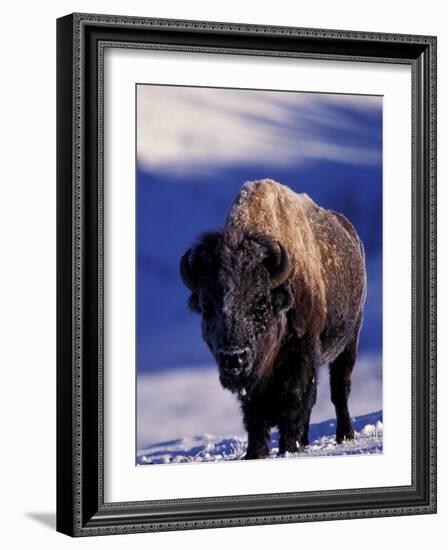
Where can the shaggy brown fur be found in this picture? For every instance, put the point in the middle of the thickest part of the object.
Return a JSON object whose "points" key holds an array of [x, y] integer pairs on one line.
{"points": [[328, 276], [281, 291]]}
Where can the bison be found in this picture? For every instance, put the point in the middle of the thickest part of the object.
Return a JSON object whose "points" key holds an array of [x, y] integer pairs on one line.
{"points": [[281, 290]]}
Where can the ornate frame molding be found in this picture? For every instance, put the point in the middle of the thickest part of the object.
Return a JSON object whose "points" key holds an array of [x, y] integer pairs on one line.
{"points": [[81, 42]]}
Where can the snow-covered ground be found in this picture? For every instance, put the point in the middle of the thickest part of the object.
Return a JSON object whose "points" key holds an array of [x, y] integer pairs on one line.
{"points": [[182, 403], [209, 448]]}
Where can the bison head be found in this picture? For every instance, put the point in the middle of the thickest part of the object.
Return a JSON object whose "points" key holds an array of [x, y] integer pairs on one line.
{"points": [[239, 286]]}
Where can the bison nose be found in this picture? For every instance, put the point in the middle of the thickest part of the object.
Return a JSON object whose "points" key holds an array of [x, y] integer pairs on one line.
{"points": [[233, 360]]}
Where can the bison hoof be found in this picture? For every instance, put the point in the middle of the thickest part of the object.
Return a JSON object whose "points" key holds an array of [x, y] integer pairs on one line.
{"points": [[290, 447], [253, 455], [345, 435]]}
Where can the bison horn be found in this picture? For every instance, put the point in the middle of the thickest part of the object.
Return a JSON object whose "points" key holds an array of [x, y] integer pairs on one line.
{"points": [[188, 278], [281, 269]]}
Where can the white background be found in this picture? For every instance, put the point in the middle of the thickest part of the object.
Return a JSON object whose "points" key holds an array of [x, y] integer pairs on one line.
{"points": [[28, 271]]}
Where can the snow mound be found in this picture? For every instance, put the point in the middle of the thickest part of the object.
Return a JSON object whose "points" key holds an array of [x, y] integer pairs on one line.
{"points": [[208, 448]]}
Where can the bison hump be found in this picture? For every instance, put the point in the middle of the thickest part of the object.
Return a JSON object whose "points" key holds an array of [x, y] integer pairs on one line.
{"points": [[270, 208]]}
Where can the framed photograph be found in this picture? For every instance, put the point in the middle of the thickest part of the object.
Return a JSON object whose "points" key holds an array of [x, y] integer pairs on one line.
{"points": [[246, 274]]}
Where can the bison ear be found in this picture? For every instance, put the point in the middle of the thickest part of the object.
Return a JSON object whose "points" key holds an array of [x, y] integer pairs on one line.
{"points": [[282, 298]]}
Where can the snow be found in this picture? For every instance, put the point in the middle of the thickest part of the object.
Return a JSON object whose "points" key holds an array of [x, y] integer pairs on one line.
{"points": [[210, 448], [184, 402]]}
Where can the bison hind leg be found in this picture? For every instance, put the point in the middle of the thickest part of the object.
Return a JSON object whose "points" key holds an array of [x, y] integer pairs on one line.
{"points": [[340, 385]]}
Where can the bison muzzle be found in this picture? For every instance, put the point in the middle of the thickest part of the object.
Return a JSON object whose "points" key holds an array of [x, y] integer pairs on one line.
{"points": [[280, 290]]}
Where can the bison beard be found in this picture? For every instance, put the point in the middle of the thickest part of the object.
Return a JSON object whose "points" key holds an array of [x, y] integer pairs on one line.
{"points": [[281, 291]]}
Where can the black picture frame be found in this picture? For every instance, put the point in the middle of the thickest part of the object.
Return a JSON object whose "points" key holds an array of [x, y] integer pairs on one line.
{"points": [[81, 510]]}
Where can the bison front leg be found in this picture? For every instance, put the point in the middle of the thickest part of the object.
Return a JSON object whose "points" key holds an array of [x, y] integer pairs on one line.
{"points": [[291, 435], [298, 399], [310, 401], [295, 422], [258, 432], [258, 441]]}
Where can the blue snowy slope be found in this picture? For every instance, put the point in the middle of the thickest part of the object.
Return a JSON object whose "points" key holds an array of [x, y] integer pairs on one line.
{"points": [[208, 448]]}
